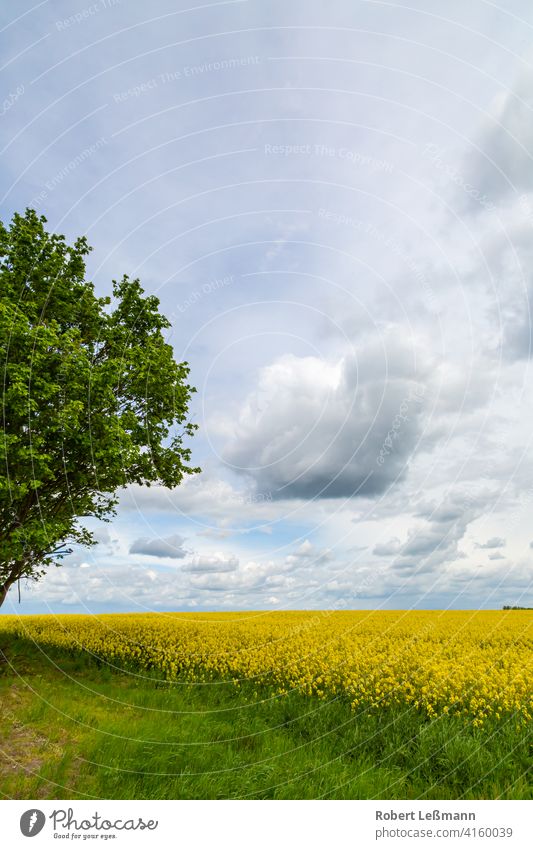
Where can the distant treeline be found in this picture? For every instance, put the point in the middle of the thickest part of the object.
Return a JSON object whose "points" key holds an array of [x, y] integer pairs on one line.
{"points": [[515, 607]]}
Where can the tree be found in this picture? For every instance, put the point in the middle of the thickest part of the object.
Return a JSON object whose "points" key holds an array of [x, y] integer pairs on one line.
{"points": [[92, 399]]}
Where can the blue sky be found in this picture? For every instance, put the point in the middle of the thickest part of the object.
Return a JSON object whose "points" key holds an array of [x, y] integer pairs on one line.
{"points": [[334, 204]]}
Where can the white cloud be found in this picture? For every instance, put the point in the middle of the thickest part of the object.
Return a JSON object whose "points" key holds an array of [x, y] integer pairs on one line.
{"points": [[250, 576], [217, 562], [307, 554]]}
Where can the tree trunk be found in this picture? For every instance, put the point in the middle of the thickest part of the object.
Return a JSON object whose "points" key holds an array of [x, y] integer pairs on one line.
{"points": [[3, 592], [17, 568]]}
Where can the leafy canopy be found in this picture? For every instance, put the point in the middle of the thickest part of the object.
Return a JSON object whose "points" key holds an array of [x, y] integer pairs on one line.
{"points": [[92, 398]]}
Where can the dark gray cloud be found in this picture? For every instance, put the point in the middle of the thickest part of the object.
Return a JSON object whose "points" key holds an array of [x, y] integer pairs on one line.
{"points": [[450, 511], [171, 547], [315, 429]]}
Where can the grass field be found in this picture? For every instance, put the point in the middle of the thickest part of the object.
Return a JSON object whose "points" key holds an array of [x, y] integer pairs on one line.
{"points": [[74, 726]]}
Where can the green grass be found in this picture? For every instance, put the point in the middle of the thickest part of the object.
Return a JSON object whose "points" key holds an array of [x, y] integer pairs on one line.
{"points": [[71, 729]]}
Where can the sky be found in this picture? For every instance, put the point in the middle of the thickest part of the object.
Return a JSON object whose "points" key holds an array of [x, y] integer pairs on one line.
{"points": [[334, 204]]}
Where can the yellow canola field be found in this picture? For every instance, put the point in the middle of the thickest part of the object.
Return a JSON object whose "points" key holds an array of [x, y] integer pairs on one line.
{"points": [[477, 664]]}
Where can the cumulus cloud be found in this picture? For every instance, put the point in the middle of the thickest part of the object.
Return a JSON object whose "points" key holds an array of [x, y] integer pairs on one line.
{"points": [[436, 543], [171, 547], [304, 550], [318, 429], [306, 554], [216, 562], [123, 584], [250, 576], [493, 542]]}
